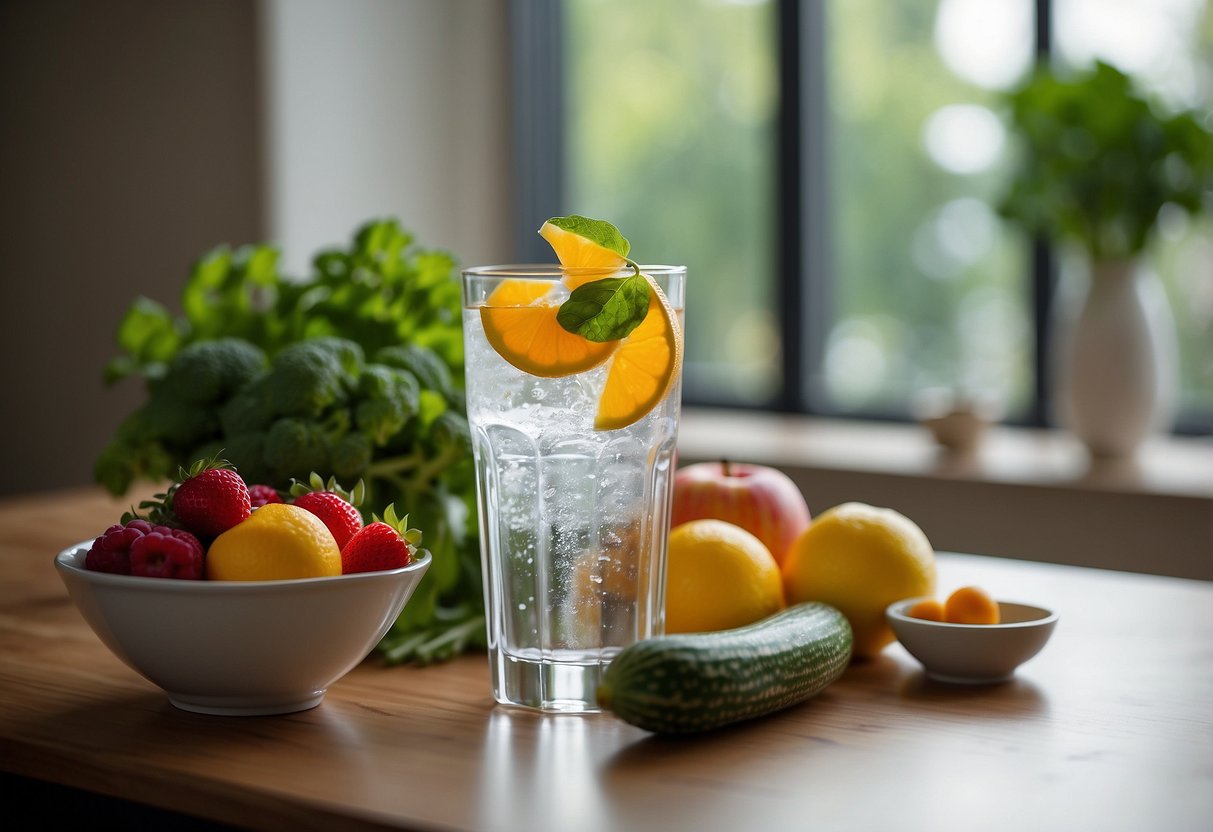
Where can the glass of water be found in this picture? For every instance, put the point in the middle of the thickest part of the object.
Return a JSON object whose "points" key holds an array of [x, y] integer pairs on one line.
{"points": [[574, 473]]}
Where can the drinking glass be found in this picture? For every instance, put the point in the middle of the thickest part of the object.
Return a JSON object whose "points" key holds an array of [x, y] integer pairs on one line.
{"points": [[573, 521]]}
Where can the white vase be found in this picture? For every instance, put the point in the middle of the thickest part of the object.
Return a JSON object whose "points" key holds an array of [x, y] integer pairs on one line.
{"points": [[1117, 370]]}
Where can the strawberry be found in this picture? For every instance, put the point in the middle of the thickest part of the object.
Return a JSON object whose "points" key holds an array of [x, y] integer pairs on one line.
{"points": [[209, 499], [260, 495], [342, 518], [382, 544], [332, 504]]}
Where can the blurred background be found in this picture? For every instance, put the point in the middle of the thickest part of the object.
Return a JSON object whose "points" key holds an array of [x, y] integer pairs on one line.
{"points": [[829, 170]]}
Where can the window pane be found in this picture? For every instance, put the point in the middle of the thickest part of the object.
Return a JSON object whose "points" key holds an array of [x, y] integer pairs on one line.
{"points": [[929, 289], [1166, 46], [670, 112]]}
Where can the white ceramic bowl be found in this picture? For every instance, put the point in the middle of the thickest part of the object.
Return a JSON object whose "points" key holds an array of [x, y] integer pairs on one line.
{"points": [[240, 648], [973, 653]]}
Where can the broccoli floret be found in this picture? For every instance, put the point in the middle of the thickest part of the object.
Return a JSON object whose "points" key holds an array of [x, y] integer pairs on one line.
{"points": [[215, 449], [348, 353], [423, 363], [295, 448], [305, 379], [179, 424], [452, 434], [210, 371], [249, 411], [350, 456], [246, 451], [389, 398]]}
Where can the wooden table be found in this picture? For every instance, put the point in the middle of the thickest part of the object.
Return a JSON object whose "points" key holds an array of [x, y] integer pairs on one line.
{"points": [[1109, 728]]}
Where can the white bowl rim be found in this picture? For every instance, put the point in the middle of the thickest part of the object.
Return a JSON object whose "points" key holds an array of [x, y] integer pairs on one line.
{"points": [[896, 611], [71, 560]]}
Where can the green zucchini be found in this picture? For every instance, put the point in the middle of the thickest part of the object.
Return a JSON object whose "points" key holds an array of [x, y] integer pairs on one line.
{"points": [[700, 681]]}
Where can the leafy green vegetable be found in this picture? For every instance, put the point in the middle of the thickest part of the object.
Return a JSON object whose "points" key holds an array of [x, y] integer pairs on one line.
{"points": [[1101, 161], [273, 371]]}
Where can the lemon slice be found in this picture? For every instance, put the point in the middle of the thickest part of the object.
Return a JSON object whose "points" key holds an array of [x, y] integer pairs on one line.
{"points": [[644, 367]]}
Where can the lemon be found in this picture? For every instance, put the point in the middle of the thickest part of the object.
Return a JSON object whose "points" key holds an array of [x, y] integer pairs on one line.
{"points": [[277, 541], [719, 576], [860, 558]]}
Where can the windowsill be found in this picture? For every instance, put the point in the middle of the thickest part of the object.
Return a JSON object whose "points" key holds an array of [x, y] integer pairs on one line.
{"points": [[1032, 494]]}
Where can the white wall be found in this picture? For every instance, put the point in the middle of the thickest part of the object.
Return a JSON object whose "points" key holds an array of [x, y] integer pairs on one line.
{"points": [[387, 107]]}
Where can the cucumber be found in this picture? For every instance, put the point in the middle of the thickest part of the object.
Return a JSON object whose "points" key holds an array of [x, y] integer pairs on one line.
{"points": [[686, 683]]}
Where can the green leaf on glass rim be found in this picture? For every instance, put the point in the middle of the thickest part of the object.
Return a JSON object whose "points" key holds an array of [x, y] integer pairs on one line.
{"points": [[599, 232], [607, 309]]}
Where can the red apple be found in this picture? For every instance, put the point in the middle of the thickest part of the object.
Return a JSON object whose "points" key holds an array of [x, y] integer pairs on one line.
{"points": [[763, 501]]}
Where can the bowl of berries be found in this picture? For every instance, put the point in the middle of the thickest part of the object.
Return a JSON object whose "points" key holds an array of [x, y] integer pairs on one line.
{"points": [[245, 605]]}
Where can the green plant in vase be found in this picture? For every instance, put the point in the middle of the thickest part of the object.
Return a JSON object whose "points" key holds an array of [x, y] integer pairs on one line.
{"points": [[1100, 162]]}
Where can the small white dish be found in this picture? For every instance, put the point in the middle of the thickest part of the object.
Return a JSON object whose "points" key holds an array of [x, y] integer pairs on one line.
{"points": [[973, 654], [240, 648]]}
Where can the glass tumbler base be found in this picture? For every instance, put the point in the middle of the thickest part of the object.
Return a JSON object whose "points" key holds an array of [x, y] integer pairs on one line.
{"points": [[558, 687]]}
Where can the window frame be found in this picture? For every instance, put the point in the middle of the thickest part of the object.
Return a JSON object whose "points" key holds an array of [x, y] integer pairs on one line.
{"points": [[803, 235]]}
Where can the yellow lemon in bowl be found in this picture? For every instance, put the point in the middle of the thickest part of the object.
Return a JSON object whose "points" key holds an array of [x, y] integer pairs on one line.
{"points": [[718, 576], [277, 542], [860, 558]]}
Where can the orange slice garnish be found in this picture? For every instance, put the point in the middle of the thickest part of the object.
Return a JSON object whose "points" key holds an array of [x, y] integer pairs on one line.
{"points": [[583, 259], [530, 338], [520, 324], [518, 291], [644, 367]]}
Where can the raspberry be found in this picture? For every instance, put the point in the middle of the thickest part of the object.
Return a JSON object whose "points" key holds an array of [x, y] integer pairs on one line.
{"points": [[167, 553], [111, 552], [260, 495]]}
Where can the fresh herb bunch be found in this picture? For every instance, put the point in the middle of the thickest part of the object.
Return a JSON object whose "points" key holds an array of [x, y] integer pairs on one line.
{"points": [[355, 372], [1101, 161]]}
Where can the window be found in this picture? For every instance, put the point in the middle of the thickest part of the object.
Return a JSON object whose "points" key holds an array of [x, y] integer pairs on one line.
{"points": [[827, 170]]}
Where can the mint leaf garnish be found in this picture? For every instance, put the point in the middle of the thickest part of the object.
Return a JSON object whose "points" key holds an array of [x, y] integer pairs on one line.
{"points": [[600, 232], [607, 309]]}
